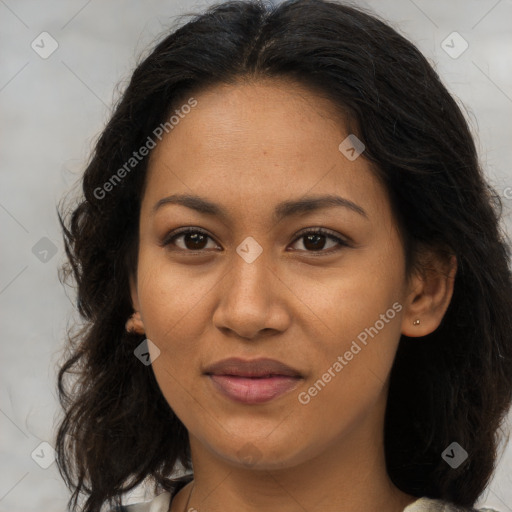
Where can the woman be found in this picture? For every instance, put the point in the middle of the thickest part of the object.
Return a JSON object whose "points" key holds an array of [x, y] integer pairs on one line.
{"points": [[294, 284]]}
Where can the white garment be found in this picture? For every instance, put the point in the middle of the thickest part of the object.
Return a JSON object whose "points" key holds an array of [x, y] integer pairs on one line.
{"points": [[159, 504], [162, 501], [430, 505]]}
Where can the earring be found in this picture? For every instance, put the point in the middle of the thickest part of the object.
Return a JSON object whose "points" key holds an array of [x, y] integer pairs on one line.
{"points": [[132, 327], [416, 322]]}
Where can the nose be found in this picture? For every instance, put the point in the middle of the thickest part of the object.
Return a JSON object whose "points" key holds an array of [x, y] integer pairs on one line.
{"points": [[252, 300]]}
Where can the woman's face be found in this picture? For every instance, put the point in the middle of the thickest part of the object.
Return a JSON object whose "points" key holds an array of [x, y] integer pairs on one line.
{"points": [[255, 170]]}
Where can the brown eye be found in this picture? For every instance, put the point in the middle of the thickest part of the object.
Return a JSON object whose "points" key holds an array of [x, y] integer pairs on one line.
{"points": [[195, 241], [319, 241], [314, 242], [190, 240]]}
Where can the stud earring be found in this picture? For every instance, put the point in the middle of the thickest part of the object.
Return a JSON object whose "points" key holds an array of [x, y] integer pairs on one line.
{"points": [[416, 322], [132, 327], [129, 326]]}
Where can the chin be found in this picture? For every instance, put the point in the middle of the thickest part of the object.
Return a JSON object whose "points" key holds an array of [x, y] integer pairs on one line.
{"points": [[261, 453]]}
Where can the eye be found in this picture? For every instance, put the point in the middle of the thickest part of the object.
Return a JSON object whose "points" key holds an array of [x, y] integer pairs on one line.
{"points": [[317, 240], [190, 239]]}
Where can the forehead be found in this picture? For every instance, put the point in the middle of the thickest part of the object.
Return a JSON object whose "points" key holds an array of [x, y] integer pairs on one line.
{"points": [[257, 143]]}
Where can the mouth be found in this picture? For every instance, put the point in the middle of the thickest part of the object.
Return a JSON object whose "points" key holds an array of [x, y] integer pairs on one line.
{"points": [[252, 382]]}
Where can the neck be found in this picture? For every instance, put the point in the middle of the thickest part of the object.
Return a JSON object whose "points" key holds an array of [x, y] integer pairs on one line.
{"points": [[348, 476]]}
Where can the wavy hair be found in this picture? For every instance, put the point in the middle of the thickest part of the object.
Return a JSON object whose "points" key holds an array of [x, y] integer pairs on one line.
{"points": [[455, 384]]}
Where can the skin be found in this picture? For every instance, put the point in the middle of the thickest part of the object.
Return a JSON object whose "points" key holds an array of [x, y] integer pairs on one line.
{"points": [[248, 147]]}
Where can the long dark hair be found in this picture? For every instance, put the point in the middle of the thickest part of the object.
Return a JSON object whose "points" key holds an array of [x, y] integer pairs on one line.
{"points": [[453, 385]]}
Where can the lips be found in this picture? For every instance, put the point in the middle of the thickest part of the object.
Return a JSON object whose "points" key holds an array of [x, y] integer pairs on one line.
{"points": [[254, 368], [252, 382]]}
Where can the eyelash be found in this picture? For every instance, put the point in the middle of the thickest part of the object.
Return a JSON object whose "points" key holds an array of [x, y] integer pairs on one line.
{"points": [[317, 231]]}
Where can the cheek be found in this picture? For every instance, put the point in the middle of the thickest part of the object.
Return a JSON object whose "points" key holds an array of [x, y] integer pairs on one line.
{"points": [[350, 368], [339, 304], [357, 309], [173, 298], [175, 309]]}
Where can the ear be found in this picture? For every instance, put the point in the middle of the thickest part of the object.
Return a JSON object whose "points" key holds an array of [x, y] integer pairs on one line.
{"points": [[135, 320], [429, 295]]}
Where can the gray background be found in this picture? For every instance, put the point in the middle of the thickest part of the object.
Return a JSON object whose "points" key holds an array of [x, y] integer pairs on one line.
{"points": [[51, 111]]}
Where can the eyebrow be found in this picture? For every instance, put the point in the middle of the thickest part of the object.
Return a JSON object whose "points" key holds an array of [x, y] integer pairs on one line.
{"points": [[282, 210]]}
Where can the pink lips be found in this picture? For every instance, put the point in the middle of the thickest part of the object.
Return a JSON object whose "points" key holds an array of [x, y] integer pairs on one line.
{"points": [[252, 382]]}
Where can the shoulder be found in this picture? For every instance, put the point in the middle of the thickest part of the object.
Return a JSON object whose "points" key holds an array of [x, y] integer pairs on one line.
{"points": [[431, 505], [160, 503]]}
